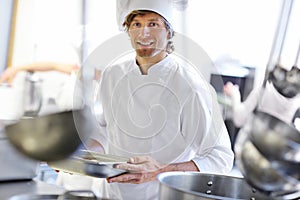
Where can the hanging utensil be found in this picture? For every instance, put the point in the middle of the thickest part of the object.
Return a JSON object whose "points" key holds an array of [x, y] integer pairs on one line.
{"points": [[268, 149], [280, 34], [287, 83]]}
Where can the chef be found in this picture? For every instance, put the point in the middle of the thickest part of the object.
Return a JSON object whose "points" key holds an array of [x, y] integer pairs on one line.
{"points": [[266, 99], [161, 114]]}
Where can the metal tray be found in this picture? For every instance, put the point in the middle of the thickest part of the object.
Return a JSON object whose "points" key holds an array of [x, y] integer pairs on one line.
{"points": [[91, 164]]}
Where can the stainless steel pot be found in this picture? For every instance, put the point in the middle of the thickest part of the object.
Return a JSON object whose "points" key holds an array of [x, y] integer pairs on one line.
{"points": [[193, 185]]}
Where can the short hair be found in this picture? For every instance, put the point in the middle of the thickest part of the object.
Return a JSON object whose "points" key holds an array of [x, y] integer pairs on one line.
{"points": [[129, 18]]}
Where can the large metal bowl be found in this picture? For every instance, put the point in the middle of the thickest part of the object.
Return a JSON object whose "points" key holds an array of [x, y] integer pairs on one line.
{"points": [[193, 185], [50, 137], [269, 176], [275, 139]]}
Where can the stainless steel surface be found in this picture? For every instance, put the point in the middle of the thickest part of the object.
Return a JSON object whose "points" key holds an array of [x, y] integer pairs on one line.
{"points": [[100, 158], [69, 195], [287, 83], [14, 188], [54, 197], [268, 176], [192, 186], [276, 140], [91, 164], [51, 137], [256, 167], [14, 165], [35, 190]]}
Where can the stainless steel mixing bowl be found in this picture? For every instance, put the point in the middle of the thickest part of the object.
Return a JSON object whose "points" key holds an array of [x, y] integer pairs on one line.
{"points": [[269, 176], [275, 139], [51, 137]]}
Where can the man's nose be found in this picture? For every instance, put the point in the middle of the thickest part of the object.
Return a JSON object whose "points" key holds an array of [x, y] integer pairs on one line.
{"points": [[145, 31]]}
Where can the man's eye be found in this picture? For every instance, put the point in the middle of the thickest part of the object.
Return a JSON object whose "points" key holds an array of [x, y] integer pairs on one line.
{"points": [[135, 25], [153, 24]]}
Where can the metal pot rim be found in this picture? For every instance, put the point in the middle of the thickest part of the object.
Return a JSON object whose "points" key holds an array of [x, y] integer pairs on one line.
{"points": [[163, 175]]}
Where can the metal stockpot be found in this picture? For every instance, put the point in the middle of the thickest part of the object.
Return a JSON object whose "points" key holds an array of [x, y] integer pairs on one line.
{"points": [[193, 185]]}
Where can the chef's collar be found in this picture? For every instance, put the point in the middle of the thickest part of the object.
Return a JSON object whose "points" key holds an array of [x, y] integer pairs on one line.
{"points": [[163, 66]]}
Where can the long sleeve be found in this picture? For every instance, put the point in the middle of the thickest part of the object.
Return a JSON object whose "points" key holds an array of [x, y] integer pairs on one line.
{"points": [[242, 110], [212, 144]]}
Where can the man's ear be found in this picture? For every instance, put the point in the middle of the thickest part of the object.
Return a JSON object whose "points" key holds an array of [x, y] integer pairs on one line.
{"points": [[169, 35]]}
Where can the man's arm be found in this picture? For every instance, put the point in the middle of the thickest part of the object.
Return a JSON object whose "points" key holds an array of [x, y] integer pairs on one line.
{"points": [[9, 74], [145, 168]]}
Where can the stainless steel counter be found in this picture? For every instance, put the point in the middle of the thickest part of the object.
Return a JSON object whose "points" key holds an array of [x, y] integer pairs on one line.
{"points": [[14, 188]]}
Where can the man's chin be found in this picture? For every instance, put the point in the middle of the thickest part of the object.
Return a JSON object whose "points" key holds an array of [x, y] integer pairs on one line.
{"points": [[145, 53]]}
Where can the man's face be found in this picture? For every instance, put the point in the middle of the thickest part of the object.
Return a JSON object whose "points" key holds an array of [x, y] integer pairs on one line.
{"points": [[148, 35]]}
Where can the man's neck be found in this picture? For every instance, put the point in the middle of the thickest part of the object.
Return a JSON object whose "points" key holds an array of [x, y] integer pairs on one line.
{"points": [[146, 63]]}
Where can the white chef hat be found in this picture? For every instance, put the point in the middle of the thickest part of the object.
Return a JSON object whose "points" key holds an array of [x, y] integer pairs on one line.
{"points": [[161, 7]]}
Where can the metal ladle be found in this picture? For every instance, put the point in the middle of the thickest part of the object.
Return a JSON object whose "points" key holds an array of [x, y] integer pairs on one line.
{"points": [[287, 83]]}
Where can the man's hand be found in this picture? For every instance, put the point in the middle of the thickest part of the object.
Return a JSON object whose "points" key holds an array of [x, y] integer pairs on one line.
{"points": [[142, 169], [232, 90]]}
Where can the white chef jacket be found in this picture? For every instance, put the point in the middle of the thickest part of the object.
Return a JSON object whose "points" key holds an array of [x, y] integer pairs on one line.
{"points": [[170, 114], [270, 101]]}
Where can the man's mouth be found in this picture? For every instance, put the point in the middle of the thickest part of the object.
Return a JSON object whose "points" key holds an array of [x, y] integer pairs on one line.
{"points": [[145, 44]]}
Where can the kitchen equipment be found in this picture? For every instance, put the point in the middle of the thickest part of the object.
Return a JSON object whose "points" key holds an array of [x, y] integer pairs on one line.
{"points": [[268, 149], [10, 160], [287, 83], [193, 185], [51, 137], [276, 140], [276, 178], [11, 189], [69, 195], [32, 95], [91, 164]]}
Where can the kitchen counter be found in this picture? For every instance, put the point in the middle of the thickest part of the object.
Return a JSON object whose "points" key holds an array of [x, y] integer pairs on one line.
{"points": [[10, 189]]}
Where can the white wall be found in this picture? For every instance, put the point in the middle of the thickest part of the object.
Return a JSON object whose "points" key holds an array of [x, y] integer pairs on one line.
{"points": [[101, 23], [240, 29], [47, 30]]}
